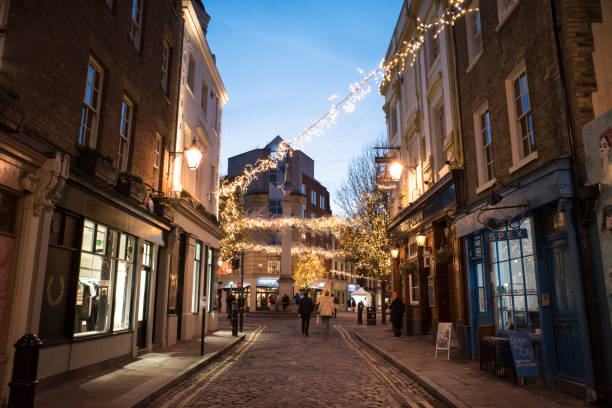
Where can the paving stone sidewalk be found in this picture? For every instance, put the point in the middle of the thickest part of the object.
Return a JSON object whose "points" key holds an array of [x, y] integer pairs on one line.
{"points": [[458, 383], [136, 383]]}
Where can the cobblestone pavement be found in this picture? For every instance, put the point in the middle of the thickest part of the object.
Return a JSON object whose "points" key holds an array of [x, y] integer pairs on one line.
{"points": [[277, 367]]}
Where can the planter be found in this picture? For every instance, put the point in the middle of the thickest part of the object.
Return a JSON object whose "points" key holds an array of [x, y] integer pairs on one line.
{"points": [[97, 166], [132, 188], [163, 209], [443, 256]]}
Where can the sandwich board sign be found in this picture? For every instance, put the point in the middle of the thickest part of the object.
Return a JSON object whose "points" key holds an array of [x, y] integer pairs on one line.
{"points": [[523, 355], [445, 339]]}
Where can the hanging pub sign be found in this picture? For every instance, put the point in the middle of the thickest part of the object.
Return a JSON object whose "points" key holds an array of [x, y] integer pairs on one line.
{"points": [[494, 236]]}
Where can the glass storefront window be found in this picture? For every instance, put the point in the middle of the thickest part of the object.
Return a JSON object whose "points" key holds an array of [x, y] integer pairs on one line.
{"points": [[513, 278], [105, 280]]}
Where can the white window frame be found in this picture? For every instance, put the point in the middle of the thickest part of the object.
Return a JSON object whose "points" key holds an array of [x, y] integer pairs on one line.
{"points": [[473, 35], [519, 159], [213, 182], [136, 22], [504, 10], [322, 202], [197, 277], [313, 197], [89, 108], [303, 189], [483, 180], [157, 162], [438, 129], [165, 65], [125, 133]]}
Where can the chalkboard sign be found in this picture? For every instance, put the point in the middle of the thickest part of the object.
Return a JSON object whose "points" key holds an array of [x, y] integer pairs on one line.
{"points": [[522, 352], [443, 339]]}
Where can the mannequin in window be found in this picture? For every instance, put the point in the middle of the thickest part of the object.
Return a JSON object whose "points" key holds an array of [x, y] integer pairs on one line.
{"points": [[82, 310], [102, 310], [93, 313]]}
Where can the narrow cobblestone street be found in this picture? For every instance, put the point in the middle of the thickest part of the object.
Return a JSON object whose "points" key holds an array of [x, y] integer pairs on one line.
{"points": [[277, 367]]}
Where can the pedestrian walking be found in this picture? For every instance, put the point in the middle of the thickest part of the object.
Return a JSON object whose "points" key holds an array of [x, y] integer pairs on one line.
{"points": [[348, 305], [359, 312], [297, 298], [272, 302], [304, 311], [336, 302], [353, 304], [397, 312], [229, 301], [326, 310], [285, 301]]}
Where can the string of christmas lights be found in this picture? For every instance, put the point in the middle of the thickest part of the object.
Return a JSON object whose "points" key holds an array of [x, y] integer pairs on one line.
{"points": [[234, 223]]}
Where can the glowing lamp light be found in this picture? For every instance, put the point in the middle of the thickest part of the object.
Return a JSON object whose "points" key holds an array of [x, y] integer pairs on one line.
{"points": [[394, 253], [420, 239], [396, 170], [194, 156]]}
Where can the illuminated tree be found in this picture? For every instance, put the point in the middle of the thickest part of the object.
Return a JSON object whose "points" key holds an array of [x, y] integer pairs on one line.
{"points": [[308, 270], [233, 224]]}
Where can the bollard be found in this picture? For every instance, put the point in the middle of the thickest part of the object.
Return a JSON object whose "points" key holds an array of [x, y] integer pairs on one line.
{"points": [[234, 321], [25, 365]]}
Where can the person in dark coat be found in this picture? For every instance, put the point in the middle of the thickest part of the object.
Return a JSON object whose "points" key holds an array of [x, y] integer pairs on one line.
{"points": [[397, 312], [229, 301], [285, 301], [353, 304], [360, 313], [304, 311]]}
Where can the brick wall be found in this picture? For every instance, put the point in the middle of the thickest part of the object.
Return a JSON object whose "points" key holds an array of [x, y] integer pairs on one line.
{"points": [[526, 36], [48, 45]]}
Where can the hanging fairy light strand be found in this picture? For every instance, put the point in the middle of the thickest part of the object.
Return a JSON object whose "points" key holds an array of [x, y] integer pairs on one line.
{"points": [[406, 53]]}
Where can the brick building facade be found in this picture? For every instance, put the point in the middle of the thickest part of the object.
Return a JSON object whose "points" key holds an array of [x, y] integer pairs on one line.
{"points": [[521, 114]]}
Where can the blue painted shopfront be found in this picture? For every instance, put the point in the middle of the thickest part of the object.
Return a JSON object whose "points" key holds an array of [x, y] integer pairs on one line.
{"points": [[531, 281]]}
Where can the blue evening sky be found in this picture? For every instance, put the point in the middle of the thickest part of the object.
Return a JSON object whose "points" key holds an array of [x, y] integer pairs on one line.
{"points": [[281, 60]]}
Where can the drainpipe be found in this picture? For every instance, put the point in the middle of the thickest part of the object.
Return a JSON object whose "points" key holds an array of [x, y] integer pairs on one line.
{"points": [[585, 222]]}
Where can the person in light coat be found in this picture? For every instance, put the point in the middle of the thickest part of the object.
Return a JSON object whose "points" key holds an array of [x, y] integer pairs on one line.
{"points": [[326, 309]]}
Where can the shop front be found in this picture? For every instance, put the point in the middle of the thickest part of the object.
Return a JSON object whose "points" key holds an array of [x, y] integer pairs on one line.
{"points": [[96, 301], [233, 289], [524, 273], [427, 274], [266, 290]]}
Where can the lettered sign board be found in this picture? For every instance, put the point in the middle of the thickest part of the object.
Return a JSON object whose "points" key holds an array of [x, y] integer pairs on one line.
{"points": [[443, 339], [494, 236], [522, 352]]}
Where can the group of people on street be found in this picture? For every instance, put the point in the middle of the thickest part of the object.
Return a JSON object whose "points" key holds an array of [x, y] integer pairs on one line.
{"points": [[350, 304], [326, 307]]}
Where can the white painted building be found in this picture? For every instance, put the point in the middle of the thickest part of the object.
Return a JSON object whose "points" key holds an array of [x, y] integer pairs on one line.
{"points": [[194, 192]]}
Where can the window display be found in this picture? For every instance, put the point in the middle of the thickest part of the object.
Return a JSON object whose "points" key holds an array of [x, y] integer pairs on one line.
{"points": [[513, 279], [106, 269]]}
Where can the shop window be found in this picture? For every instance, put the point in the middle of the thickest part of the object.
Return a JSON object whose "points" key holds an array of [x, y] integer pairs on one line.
{"points": [[197, 268], [513, 279], [105, 283], [211, 266]]}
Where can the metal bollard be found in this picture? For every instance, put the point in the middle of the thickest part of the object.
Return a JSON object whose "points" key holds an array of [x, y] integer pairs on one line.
{"points": [[234, 321], [25, 365]]}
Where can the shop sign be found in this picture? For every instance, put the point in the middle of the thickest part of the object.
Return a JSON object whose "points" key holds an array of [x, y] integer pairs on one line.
{"points": [[522, 352], [494, 236], [351, 287], [268, 282], [412, 222], [431, 293]]}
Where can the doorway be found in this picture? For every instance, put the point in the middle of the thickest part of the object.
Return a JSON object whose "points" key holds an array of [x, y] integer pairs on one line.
{"points": [[143, 297]]}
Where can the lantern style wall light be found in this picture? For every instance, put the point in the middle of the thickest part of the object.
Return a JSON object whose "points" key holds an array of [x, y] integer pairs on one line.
{"points": [[394, 253], [193, 154], [420, 239], [396, 169]]}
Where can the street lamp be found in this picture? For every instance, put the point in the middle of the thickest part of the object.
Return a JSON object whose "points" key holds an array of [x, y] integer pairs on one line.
{"points": [[396, 169], [420, 239], [394, 253], [193, 154]]}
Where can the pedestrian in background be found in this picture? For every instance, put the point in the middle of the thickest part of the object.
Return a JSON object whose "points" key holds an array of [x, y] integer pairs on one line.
{"points": [[326, 310], [336, 302], [285, 301], [397, 312], [353, 304], [359, 312], [348, 305], [229, 301], [304, 311], [297, 298]]}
